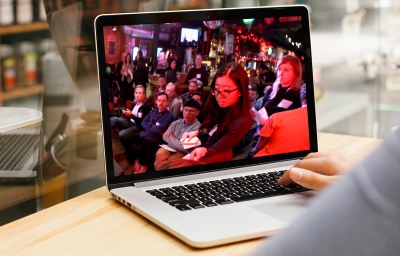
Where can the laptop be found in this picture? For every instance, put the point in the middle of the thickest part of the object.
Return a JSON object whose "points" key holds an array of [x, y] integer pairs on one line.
{"points": [[216, 202], [20, 136]]}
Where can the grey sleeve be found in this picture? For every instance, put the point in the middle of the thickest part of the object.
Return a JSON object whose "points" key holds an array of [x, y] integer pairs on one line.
{"points": [[359, 215]]}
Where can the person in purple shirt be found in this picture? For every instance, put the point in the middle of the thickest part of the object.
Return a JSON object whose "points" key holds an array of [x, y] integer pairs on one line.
{"points": [[148, 140]]}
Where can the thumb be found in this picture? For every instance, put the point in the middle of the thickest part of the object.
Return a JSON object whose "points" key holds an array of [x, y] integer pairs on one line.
{"points": [[193, 155], [310, 179]]}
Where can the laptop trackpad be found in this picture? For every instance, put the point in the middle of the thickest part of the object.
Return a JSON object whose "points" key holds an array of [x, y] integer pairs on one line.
{"points": [[284, 210]]}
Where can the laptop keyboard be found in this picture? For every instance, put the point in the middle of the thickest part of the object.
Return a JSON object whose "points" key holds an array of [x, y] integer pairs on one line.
{"points": [[15, 150], [225, 191]]}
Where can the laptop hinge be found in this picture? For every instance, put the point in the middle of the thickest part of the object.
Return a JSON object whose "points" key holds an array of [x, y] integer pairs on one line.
{"points": [[215, 173]]}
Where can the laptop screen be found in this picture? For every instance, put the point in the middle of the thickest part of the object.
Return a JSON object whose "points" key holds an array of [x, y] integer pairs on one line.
{"points": [[205, 93]]}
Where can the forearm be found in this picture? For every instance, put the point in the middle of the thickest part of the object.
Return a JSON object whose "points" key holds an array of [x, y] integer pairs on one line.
{"points": [[358, 215]]}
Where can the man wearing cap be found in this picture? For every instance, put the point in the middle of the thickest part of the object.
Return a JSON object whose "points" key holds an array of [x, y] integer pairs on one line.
{"points": [[174, 133]]}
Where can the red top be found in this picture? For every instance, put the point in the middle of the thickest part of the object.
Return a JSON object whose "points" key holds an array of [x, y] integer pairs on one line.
{"points": [[288, 132]]}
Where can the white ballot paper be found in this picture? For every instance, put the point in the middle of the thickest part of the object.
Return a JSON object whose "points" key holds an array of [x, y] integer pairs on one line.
{"points": [[191, 143], [285, 104], [187, 157], [167, 148], [263, 113]]}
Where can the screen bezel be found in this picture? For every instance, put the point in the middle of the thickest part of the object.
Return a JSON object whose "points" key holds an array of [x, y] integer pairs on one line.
{"points": [[200, 15]]}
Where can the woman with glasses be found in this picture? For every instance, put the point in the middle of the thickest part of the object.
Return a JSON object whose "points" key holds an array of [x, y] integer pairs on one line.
{"points": [[227, 117], [285, 92]]}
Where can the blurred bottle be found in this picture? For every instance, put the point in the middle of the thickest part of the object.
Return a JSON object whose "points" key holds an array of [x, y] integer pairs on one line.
{"points": [[39, 13], [7, 67], [26, 64], [24, 11], [6, 12]]}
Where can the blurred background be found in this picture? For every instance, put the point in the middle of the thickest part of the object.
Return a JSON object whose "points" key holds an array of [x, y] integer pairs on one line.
{"points": [[48, 63]]}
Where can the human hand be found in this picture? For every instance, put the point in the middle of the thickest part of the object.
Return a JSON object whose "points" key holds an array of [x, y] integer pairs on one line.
{"points": [[198, 153], [127, 113], [181, 101], [317, 170], [262, 120], [188, 136]]}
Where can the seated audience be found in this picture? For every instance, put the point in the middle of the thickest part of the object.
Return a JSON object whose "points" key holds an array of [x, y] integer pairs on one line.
{"points": [[161, 88], [174, 105], [285, 92], [198, 74], [171, 75], [227, 116], [245, 141], [253, 80], [265, 78], [260, 99], [285, 131], [133, 117], [188, 95], [253, 95], [174, 133], [148, 140], [197, 96]]}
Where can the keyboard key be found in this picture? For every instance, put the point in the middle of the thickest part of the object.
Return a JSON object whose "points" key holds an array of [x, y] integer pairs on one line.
{"points": [[254, 196], [223, 201], [172, 199], [164, 196], [183, 208], [196, 206], [184, 202]]}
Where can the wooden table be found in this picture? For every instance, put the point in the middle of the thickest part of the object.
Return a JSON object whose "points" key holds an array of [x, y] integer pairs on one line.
{"points": [[96, 224]]}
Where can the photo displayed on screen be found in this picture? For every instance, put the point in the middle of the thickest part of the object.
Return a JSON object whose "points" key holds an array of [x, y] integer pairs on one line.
{"points": [[233, 89]]}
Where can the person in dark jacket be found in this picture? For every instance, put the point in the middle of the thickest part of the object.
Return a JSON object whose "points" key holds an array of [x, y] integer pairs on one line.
{"points": [[141, 75], [148, 140], [171, 75]]}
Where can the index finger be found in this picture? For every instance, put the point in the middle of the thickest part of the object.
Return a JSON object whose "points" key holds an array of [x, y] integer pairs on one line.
{"points": [[318, 165]]}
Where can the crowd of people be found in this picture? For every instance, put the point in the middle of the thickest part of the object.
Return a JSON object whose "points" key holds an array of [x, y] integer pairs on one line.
{"points": [[267, 117]]}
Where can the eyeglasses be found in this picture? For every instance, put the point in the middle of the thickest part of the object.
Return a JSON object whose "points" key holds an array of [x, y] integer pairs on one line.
{"points": [[224, 94]]}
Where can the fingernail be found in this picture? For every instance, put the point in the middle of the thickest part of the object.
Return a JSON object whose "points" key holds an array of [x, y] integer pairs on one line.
{"points": [[296, 174]]}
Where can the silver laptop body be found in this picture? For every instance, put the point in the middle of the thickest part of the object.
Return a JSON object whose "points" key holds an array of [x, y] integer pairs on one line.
{"points": [[224, 223]]}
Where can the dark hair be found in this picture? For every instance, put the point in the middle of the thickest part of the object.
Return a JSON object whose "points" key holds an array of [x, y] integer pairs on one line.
{"points": [[130, 59], [198, 93], [251, 88], [263, 67], [161, 76], [170, 61], [140, 64], [213, 111], [140, 54], [303, 94], [162, 93], [193, 82]]}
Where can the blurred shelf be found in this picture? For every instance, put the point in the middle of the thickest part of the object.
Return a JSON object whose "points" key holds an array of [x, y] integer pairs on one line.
{"points": [[15, 29], [21, 92]]}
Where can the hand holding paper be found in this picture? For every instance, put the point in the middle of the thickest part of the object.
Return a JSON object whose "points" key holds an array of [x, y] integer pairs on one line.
{"points": [[186, 143]]}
